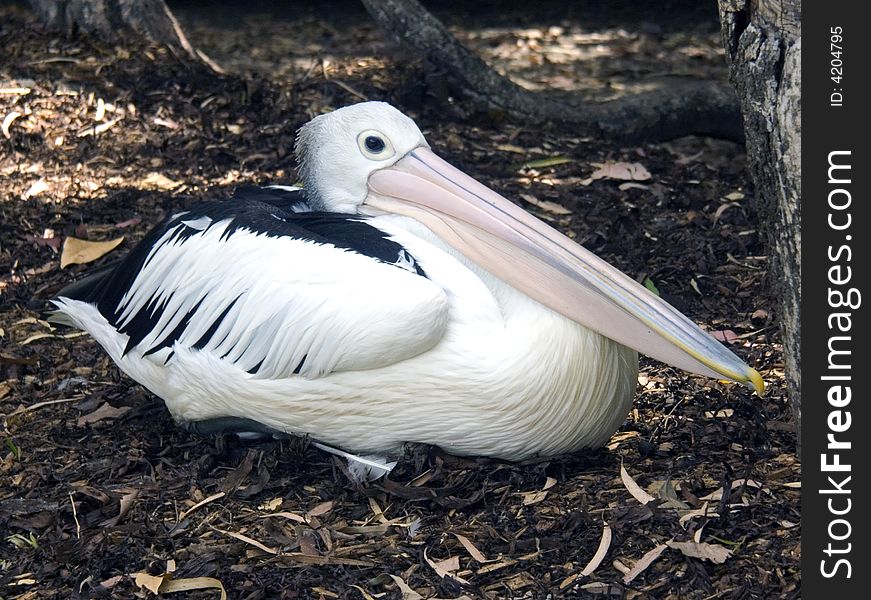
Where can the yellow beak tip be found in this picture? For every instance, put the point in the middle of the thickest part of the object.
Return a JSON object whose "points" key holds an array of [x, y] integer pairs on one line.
{"points": [[754, 380]]}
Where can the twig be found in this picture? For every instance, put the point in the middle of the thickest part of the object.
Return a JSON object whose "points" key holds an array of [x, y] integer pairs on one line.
{"points": [[76, 518], [349, 89], [42, 404]]}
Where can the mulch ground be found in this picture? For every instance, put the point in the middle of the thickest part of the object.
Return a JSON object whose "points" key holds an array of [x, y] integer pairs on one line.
{"points": [[101, 495]]}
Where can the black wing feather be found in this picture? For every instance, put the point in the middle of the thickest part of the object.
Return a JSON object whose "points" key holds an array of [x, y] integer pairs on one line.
{"points": [[265, 211]]}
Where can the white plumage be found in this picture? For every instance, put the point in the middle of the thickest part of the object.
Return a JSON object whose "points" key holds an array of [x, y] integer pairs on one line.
{"points": [[365, 329]]}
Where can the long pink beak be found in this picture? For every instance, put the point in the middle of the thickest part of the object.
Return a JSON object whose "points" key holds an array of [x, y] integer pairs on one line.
{"points": [[546, 265]]}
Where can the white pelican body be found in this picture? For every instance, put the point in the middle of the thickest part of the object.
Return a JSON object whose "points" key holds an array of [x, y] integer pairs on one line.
{"points": [[394, 312]]}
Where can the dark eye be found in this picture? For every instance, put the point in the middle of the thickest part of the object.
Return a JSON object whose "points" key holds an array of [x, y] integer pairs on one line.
{"points": [[374, 144]]}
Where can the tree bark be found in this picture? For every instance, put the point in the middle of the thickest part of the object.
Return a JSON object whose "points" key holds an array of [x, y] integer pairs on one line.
{"points": [[763, 46], [111, 19], [684, 107]]}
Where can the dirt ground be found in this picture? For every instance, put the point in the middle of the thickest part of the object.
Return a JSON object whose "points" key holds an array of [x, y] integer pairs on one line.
{"points": [[100, 490]]}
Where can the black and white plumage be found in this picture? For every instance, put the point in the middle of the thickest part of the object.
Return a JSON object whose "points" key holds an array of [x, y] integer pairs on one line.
{"points": [[394, 300]]}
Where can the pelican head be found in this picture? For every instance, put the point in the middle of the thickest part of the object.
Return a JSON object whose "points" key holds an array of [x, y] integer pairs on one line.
{"points": [[371, 159]]}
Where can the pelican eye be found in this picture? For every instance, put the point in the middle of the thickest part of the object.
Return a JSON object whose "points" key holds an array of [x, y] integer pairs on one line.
{"points": [[375, 145]]}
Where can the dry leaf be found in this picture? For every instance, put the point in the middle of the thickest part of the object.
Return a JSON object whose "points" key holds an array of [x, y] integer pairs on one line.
{"points": [[321, 509], [547, 162], [551, 207], [601, 552], [36, 189], [271, 504], [150, 582], [725, 335], [104, 411], [633, 488], [201, 503], [164, 584], [471, 548], [712, 552], [718, 493], [699, 512], [7, 123], [405, 590], [247, 540], [622, 171], [440, 569], [287, 515], [157, 181], [79, 252], [447, 565], [511, 148], [530, 498], [193, 583], [101, 128], [644, 562]]}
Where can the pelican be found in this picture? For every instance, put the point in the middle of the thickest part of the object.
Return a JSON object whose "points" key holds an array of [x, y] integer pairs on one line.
{"points": [[391, 299]]}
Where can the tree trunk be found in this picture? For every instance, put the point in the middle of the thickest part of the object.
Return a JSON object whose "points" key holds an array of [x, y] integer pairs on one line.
{"points": [[684, 107], [763, 47], [112, 19]]}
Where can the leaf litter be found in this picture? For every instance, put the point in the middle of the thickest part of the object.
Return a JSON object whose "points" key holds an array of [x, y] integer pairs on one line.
{"points": [[174, 124]]}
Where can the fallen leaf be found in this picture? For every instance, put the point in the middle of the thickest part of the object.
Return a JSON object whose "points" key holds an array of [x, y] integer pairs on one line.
{"points": [[104, 411], [440, 567], [633, 488], [150, 582], [648, 283], [193, 583], [447, 565], [321, 509], [108, 584], [101, 128], [471, 548], [271, 505], [712, 552], [247, 540], [287, 515], [718, 493], [511, 148], [78, 252], [726, 335], [128, 223], [547, 162], [723, 208], [158, 181], [7, 123], [39, 186], [405, 590], [601, 552], [200, 504], [551, 207], [164, 584], [622, 171], [699, 512], [644, 562], [531, 498]]}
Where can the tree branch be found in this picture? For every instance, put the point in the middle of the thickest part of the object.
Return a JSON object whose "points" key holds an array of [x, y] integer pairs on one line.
{"points": [[680, 109]]}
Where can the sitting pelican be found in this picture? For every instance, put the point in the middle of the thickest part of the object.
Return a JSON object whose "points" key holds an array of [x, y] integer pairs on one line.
{"points": [[392, 299]]}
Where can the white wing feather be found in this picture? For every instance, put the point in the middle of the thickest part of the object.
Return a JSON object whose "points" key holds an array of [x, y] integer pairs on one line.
{"points": [[283, 304]]}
